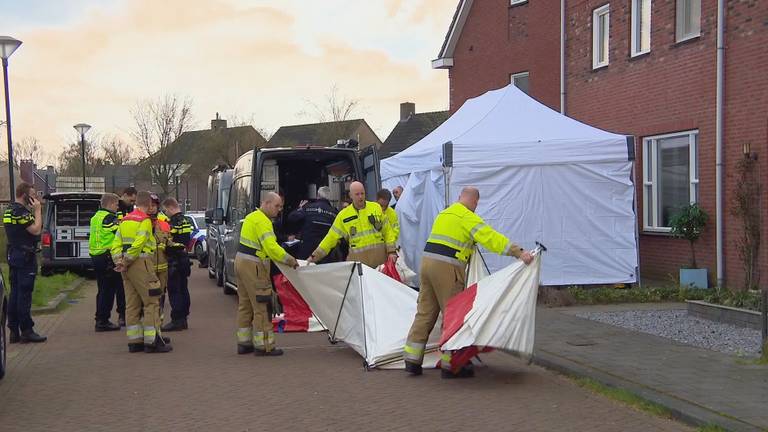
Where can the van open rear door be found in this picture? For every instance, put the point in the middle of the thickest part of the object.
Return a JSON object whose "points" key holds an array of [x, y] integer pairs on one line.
{"points": [[369, 160]]}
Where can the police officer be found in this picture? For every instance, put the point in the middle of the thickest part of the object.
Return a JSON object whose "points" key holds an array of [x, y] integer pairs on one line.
{"points": [[443, 272], [363, 225], [22, 228], [313, 220], [132, 251], [178, 265], [258, 245], [383, 197], [104, 224]]}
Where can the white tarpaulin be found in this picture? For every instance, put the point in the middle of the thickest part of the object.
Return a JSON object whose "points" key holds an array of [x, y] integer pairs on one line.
{"points": [[541, 175], [361, 307]]}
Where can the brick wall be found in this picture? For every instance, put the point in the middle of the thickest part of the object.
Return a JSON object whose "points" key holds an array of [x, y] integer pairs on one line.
{"points": [[671, 89]]}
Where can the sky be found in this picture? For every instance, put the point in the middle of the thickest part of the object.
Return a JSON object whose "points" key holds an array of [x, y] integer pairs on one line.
{"points": [[267, 61]]}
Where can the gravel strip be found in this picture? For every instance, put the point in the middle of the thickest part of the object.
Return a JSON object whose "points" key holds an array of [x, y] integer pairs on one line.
{"points": [[677, 325]]}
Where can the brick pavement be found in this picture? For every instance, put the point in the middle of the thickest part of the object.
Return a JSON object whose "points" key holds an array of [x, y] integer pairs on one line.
{"points": [[83, 381]]}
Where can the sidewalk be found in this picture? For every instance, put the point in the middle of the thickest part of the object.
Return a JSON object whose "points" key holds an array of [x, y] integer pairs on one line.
{"points": [[699, 386]]}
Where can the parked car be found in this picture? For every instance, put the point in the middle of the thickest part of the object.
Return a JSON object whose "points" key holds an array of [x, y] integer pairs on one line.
{"points": [[198, 247], [219, 182], [3, 319], [66, 228], [297, 173]]}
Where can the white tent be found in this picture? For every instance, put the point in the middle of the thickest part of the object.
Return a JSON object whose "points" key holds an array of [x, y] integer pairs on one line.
{"points": [[542, 176]]}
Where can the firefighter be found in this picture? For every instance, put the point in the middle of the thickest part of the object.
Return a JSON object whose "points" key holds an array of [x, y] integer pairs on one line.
{"points": [[363, 225], [178, 265], [443, 272], [133, 252], [104, 224], [383, 197], [162, 232], [258, 245], [125, 206], [22, 229]]}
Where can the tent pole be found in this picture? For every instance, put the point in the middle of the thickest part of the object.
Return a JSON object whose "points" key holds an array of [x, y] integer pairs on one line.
{"points": [[332, 337], [362, 305], [447, 165]]}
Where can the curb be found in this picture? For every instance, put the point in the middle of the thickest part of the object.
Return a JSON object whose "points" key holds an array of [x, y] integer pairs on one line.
{"points": [[682, 410], [61, 296]]}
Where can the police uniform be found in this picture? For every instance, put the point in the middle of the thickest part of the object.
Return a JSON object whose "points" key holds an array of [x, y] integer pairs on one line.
{"points": [[104, 224], [443, 272], [258, 245], [22, 266], [135, 246], [312, 222], [178, 271], [368, 232], [162, 231]]}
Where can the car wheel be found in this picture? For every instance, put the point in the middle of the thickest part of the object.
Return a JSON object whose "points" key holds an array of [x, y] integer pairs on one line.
{"points": [[3, 347], [199, 252], [227, 289]]}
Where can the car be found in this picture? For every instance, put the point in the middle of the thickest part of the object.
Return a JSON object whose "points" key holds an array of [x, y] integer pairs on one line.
{"points": [[66, 228], [3, 318], [219, 182], [198, 247]]}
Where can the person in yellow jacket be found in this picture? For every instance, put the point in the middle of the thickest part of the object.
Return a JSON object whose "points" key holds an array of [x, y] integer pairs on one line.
{"points": [[443, 272], [383, 197], [161, 229], [258, 245], [133, 251], [371, 238], [103, 226]]}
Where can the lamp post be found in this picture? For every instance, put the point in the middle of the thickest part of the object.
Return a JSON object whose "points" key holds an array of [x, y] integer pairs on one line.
{"points": [[7, 46], [82, 128]]}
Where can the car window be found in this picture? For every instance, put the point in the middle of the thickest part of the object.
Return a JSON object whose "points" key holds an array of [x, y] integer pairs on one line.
{"points": [[200, 222]]}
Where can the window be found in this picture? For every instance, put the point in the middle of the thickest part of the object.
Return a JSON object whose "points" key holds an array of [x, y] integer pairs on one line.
{"points": [[670, 177], [641, 27], [688, 19], [240, 200], [600, 32], [520, 80]]}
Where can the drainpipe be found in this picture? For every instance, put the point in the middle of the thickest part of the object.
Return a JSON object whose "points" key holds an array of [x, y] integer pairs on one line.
{"points": [[562, 57], [719, 167]]}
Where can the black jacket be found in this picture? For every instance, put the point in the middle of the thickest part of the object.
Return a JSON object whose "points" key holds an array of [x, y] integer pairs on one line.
{"points": [[312, 223]]}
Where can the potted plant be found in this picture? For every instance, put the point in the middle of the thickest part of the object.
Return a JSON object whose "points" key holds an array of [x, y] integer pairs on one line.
{"points": [[688, 224]]}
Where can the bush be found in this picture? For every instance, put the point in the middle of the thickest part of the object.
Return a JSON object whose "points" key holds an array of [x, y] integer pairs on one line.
{"points": [[604, 295], [741, 299]]}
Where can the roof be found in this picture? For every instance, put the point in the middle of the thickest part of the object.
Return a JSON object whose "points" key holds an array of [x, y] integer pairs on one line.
{"points": [[411, 131], [317, 134], [444, 59]]}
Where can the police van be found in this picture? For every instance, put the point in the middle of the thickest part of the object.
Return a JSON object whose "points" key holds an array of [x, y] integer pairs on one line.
{"points": [[296, 174], [66, 228], [219, 182]]}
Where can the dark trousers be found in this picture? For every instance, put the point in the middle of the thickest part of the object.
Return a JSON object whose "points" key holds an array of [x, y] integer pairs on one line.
{"points": [[22, 271], [110, 284], [178, 289]]}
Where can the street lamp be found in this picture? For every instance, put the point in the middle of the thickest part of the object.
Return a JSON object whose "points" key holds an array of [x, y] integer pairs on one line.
{"points": [[82, 128], [7, 46]]}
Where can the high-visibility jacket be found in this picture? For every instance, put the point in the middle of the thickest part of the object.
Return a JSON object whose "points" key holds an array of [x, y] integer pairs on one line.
{"points": [[394, 224], [455, 232], [258, 241], [134, 238], [162, 231], [103, 227], [364, 229]]}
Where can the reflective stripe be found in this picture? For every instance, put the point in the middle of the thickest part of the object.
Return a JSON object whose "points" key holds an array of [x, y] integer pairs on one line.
{"points": [[444, 258], [477, 228], [150, 333], [251, 258], [266, 235], [365, 248], [258, 339], [445, 360], [450, 240], [250, 243], [414, 351], [134, 332], [127, 240], [340, 232], [244, 335], [364, 234], [141, 233]]}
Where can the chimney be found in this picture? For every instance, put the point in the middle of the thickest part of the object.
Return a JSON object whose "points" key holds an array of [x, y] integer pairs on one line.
{"points": [[218, 123], [407, 109]]}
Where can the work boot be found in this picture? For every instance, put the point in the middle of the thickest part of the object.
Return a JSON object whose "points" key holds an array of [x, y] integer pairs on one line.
{"points": [[135, 347], [121, 321], [413, 368], [105, 326], [14, 337], [160, 346], [274, 353], [30, 336], [244, 349], [465, 372], [175, 326]]}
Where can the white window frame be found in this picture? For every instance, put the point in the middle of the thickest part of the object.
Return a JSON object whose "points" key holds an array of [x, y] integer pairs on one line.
{"points": [[514, 76], [517, 2], [597, 42], [650, 182], [680, 20], [641, 26]]}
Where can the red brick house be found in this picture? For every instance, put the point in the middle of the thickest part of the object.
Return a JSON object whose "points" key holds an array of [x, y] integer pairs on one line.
{"points": [[646, 68]]}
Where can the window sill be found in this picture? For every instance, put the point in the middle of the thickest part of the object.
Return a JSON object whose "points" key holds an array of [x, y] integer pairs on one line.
{"points": [[639, 56], [657, 234], [599, 68], [687, 41], [517, 3]]}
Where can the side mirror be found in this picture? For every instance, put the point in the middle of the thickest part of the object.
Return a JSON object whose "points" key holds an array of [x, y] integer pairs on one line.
{"points": [[218, 216]]}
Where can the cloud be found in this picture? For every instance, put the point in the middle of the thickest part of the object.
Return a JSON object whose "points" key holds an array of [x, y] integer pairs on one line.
{"points": [[229, 57]]}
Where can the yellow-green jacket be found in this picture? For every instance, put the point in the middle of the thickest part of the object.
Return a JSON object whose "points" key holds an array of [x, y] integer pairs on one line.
{"points": [[394, 224], [257, 239], [455, 232], [134, 238], [364, 229]]}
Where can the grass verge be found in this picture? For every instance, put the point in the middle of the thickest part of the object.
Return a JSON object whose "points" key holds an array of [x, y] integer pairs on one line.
{"points": [[624, 396], [46, 288]]}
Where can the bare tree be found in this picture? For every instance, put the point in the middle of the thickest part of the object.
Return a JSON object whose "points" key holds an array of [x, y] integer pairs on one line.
{"points": [[332, 111], [115, 151], [27, 149], [158, 124]]}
